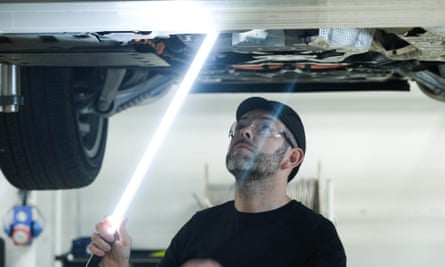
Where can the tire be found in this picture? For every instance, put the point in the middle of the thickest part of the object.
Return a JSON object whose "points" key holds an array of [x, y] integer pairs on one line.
{"points": [[438, 95], [48, 144]]}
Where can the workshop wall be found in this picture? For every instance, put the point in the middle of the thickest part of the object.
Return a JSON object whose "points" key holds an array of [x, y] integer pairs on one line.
{"points": [[382, 151]]}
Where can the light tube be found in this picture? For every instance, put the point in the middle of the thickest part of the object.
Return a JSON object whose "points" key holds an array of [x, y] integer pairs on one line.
{"points": [[170, 114]]}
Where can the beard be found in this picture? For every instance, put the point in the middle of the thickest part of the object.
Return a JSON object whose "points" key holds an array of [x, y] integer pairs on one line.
{"points": [[258, 167]]}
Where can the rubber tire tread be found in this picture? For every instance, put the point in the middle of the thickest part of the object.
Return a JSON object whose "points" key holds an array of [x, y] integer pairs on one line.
{"points": [[40, 146]]}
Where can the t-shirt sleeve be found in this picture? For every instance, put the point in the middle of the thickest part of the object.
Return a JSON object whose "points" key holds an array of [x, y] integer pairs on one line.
{"points": [[329, 251]]}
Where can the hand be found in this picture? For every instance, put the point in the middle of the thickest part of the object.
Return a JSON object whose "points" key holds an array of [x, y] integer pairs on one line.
{"points": [[114, 249], [201, 263]]}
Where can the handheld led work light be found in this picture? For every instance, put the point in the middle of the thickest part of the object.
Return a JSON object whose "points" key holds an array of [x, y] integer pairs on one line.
{"points": [[145, 162]]}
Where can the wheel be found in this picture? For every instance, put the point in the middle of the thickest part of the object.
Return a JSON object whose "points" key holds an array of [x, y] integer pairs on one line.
{"points": [[436, 87], [49, 143]]}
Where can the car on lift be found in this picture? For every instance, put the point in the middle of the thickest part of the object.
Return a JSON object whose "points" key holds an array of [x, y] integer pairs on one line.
{"points": [[58, 89]]}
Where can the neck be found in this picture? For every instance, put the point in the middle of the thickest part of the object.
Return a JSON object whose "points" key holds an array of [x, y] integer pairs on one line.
{"points": [[260, 195]]}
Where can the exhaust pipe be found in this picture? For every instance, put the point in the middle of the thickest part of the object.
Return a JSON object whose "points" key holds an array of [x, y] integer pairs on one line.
{"points": [[10, 98]]}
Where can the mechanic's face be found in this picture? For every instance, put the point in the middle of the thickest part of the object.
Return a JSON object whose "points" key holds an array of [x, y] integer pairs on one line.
{"points": [[256, 149]]}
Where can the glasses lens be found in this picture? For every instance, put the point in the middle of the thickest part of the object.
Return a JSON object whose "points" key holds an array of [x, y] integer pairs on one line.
{"points": [[232, 130], [265, 128], [261, 128]]}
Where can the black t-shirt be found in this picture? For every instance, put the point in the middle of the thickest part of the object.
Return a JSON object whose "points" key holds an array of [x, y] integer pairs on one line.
{"points": [[292, 235]]}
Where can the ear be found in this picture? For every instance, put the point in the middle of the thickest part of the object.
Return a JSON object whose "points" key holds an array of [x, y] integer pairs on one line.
{"points": [[294, 159]]}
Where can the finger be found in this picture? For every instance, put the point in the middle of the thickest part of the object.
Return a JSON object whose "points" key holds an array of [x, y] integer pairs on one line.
{"points": [[102, 230], [100, 243], [96, 250]]}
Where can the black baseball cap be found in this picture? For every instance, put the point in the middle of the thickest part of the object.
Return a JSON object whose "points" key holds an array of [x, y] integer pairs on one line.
{"points": [[284, 113]]}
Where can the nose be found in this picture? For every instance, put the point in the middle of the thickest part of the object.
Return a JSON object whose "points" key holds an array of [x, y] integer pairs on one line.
{"points": [[246, 132]]}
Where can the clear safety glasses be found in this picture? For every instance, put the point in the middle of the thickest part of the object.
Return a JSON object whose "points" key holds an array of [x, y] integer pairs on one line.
{"points": [[260, 128]]}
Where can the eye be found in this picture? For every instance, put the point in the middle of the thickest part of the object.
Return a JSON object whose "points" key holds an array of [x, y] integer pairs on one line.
{"points": [[264, 128]]}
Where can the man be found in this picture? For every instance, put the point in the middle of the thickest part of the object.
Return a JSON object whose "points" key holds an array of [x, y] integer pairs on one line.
{"points": [[262, 226]]}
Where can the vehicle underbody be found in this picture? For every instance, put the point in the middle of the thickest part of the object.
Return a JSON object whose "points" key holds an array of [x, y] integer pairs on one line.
{"points": [[59, 89]]}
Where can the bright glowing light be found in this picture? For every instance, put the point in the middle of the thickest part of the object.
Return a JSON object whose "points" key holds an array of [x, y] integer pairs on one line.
{"points": [[178, 99]]}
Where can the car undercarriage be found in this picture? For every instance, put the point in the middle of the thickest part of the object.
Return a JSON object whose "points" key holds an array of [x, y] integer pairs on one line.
{"points": [[60, 88]]}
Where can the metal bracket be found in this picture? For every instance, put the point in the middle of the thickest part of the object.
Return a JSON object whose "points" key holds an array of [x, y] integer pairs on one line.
{"points": [[10, 98], [112, 83]]}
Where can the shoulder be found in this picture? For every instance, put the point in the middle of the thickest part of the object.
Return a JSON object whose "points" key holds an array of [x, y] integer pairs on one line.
{"points": [[213, 213], [203, 220], [308, 217], [302, 211], [322, 234], [222, 209]]}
